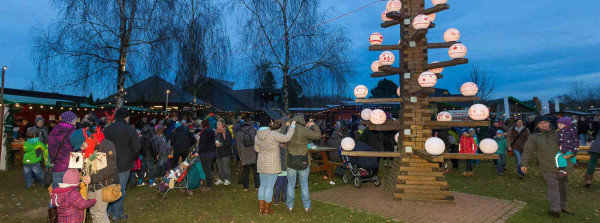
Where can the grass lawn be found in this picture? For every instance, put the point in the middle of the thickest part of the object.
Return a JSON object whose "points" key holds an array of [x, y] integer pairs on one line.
{"points": [[232, 204]]}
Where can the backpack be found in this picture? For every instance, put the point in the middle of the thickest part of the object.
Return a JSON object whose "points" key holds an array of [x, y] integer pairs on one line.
{"points": [[148, 143], [247, 139]]}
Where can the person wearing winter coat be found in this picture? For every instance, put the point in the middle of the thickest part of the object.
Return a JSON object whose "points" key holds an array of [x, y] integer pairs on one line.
{"points": [[245, 146], [583, 127], [68, 200], [568, 144], [164, 149], [266, 144], [517, 136], [127, 146], [467, 145], [182, 141], [298, 146], [207, 152], [149, 153], [59, 146], [501, 152], [40, 131], [34, 152], [594, 156], [224, 153]]}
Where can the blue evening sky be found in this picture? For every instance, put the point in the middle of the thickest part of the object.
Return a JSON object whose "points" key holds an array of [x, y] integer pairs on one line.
{"points": [[532, 48]]}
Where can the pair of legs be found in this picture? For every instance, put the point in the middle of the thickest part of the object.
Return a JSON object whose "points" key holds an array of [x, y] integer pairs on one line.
{"points": [[224, 169], [176, 156], [115, 208], [468, 166], [280, 189], [32, 172], [518, 155], [161, 165], [305, 195], [593, 163], [583, 138], [147, 165], [208, 170], [267, 183], [501, 163], [556, 191], [98, 211], [246, 176]]}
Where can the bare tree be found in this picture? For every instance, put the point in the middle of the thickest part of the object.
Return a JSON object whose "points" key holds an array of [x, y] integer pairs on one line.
{"points": [[93, 40], [485, 82], [581, 96], [290, 38]]}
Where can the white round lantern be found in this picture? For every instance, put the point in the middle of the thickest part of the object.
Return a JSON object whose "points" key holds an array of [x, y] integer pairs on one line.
{"points": [[421, 22], [396, 136], [469, 89], [375, 39], [451, 34], [436, 70], [457, 50], [488, 146], [361, 91], [365, 113], [427, 79], [444, 116], [479, 112], [387, 58], [398, 91], [377, 117], [437, 2], [431, 17], [393, 5], [384, 16], [348, 144], [375, 66], [435, 146]]}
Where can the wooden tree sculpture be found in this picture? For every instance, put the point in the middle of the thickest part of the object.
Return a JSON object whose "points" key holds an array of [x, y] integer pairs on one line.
{"points": [[415, 174]]}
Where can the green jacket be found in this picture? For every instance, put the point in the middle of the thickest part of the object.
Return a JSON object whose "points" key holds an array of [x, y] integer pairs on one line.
{"points": [[545, 146], [502, 146], [298, 145], [32, 155]]}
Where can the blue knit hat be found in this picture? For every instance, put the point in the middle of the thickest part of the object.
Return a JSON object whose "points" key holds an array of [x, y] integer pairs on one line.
{"points": [[68, 117], [499, 132], [77, 138]]}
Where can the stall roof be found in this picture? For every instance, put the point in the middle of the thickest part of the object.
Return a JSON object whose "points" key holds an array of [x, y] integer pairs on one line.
{"points": [[12, 99]]}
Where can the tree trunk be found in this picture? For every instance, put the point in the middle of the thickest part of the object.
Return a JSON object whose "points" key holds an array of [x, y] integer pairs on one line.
{"points": [[286, 67], [125, 31], [286, 105]]}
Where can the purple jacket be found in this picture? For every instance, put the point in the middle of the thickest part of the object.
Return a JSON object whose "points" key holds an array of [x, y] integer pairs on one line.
{"points": [[55, 138], [568, 140]]}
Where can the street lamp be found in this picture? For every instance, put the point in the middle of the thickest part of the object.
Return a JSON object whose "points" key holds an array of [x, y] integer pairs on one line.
{"points": [[167, 104]]}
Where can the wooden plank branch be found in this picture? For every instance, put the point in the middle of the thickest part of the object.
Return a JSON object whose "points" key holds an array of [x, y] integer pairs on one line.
{"points": [[441, 45], [465, 156], [397, 15], [381, 74], [385, 47], [448, 63], [437, 8], [423, 154], [418, 35], [390, 23], [392, 70], [378, 100], [371, 154], [456, 123], [453, 99]]}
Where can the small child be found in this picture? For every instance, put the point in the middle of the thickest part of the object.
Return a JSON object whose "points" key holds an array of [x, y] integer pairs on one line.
{"points": [[68, 200], [502, 146], [281, 183], [568, 143], [35, 151], [467, 145]]}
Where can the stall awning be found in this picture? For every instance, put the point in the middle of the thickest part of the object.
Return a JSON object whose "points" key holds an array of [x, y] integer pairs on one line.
{"points": [[13, 99]]}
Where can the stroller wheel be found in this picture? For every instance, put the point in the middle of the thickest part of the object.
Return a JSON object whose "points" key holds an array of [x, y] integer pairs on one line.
{"points": [[190, 193], [357, 182], [346, 178], [377, 181]]}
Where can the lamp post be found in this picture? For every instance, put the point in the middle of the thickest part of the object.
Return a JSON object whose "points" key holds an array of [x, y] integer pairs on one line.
{"points": [[167, 104], [2, 109]]}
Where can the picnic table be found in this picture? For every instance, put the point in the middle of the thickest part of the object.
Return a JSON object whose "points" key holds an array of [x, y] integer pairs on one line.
{"points": [[324, 164]]}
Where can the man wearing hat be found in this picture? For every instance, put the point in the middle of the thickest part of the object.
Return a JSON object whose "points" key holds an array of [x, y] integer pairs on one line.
{"points": [[127, 146], [544, 143]]}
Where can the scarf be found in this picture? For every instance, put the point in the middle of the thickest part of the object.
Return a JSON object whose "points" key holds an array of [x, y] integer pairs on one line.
{"points": [[519, 129]]}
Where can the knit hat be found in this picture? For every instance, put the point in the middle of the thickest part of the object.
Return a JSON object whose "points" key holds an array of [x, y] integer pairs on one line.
{"points": [[500, 132], [540, 118], [77, 138], [68, 117], [471, 130], [39, 119], [565, 121], [71, 176], [122, 113]]}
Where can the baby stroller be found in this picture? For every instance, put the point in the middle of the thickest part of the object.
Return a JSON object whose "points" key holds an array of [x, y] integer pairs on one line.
{"points": [[179, 178], [362, 169]]}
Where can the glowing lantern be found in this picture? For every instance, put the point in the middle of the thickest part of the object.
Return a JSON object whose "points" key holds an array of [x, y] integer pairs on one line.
{"points": [[436, 70], [348, 144], [387, 58], [469, 89], [421, 22], [361, 91], [431, 17], [451, 34], [444, 116], [398, 91], [488, 146], [375, 39], [375, 66], [377, 117], [435, 146], [393, 5], [365, 113], [457, 50], [437, 2], [479, 112], [427, 79], [384, 16], [396, 136]]}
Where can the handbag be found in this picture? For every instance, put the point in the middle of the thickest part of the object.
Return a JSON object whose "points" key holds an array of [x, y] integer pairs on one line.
{"points": [[48, 174], [111, 193], [297, 162]]}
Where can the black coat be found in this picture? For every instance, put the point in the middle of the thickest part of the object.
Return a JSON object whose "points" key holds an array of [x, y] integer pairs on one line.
{"points": [[127, 144], [225, 149], [109, 174], [206, 146], [182, 140]]}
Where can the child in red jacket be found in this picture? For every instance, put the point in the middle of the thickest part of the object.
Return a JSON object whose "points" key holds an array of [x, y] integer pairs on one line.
{"points": [[467, 145], [70, 205]]}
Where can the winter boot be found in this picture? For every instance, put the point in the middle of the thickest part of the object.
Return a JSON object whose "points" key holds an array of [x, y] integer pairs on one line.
{"points": [[588, 180], [261, 206], [268, 209]]}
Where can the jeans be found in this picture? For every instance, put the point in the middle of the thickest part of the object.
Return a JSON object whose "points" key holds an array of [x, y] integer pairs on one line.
{"points": [[161, 165], [175, 160], [280, 189], [265, 191], [583, 138], [32, 172], [223, 168], [469, 165], [305, 195], [147, 164], [57, 178], [501, 163], [98, 211], [518, 155], [207, 167], [246, 176], [593, 162], [557, 190], [115, 208]]}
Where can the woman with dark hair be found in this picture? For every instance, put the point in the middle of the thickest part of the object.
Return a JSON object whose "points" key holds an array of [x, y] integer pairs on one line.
{"points": [[517, 136], [207, 152]]}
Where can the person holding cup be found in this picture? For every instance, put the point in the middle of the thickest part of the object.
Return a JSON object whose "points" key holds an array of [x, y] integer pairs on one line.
{"points": [[224, 153]]}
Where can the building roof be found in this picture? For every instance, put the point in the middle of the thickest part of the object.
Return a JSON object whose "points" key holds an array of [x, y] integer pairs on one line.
{"points": [[513, 100], [154, 90], [47, 95], [12, 99]]}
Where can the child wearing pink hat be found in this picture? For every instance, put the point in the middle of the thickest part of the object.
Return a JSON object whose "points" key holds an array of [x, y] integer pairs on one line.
{"points": [[69, 202]]}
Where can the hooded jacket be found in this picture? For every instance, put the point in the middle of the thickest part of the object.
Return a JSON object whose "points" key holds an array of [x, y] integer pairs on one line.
{"points": [[298, 145], [545, 146], [568, 141], [127, 143], [206, 146], [41, 133], [467, 145], [247, 154], [182, 140], [501, 145], [35, 151], [69, 203], [56, 144], [266, 144]]}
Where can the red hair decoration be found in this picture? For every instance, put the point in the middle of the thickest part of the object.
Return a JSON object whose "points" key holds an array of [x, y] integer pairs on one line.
{"points": [[92, 141], [111, 118]]}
